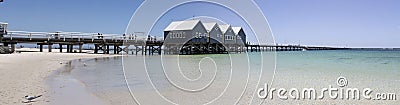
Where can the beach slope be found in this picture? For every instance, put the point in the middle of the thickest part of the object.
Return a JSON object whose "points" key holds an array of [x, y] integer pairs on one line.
{"points": [[25, 74]]}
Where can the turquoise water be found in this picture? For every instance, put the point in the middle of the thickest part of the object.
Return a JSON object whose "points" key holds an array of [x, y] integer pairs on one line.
{"points": [[385, 62], [235, 76]]}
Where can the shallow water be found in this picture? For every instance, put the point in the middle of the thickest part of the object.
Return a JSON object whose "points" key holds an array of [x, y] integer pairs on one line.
{"points": [[233, 79]]}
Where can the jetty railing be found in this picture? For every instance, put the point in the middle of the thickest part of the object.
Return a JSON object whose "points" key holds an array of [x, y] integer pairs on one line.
{"points": [[67, 35], [101, 41]]}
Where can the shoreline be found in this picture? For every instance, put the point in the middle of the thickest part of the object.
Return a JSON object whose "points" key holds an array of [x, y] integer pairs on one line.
{"points": [[66, 89], [26, 74]]}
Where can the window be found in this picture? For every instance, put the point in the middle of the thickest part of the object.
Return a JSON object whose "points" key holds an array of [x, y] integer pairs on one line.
{"points": [[172, 35], [199, 35], [229, 37], [175, 35], [181, 34]]}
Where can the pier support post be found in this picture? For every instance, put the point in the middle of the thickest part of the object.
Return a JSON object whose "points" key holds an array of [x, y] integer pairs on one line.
{"points": [[80, 48], [115, 49], [96, 46], [60, 48], [50, 47], [159, 50], [67, 48], [107, 51], [41, 48], [151, 50], [71, 48], [136, 49], [12, 47]]}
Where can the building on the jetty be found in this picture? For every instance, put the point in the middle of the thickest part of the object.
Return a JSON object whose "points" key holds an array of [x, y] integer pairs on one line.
{"points": [[229, 38], [240, 35], [193, 37], [214, 33], [181, 32], [228, 34], [185, 37]]}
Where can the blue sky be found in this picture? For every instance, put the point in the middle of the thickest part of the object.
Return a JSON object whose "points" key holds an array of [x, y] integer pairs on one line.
{"points": [[344, 23]]}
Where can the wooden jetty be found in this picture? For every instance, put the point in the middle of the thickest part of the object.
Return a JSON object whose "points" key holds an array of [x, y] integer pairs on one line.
{"points": [[258, 48], [101, 42], [104, 43]]}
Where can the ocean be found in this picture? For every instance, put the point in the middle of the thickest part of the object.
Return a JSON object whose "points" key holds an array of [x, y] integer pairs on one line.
{"points": [[237, 78]]}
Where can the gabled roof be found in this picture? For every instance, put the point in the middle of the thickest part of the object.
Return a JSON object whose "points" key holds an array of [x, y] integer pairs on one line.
{"points": [[182, 25], [3, 23], [236, 30], [224, 28], [209, 26]]}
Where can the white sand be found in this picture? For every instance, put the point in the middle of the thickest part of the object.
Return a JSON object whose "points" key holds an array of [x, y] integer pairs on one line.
{"points": [[25, 74]]}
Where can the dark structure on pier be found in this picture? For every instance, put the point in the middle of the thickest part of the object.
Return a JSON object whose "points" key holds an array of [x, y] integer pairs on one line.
{"points": [[195, 37]]}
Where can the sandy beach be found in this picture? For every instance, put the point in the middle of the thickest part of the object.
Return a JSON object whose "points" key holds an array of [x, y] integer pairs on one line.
{"points": [[25, 74]]}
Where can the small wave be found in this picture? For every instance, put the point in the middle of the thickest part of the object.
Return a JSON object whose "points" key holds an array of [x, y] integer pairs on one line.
{"points": [[345, 58], [385, 57]]}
